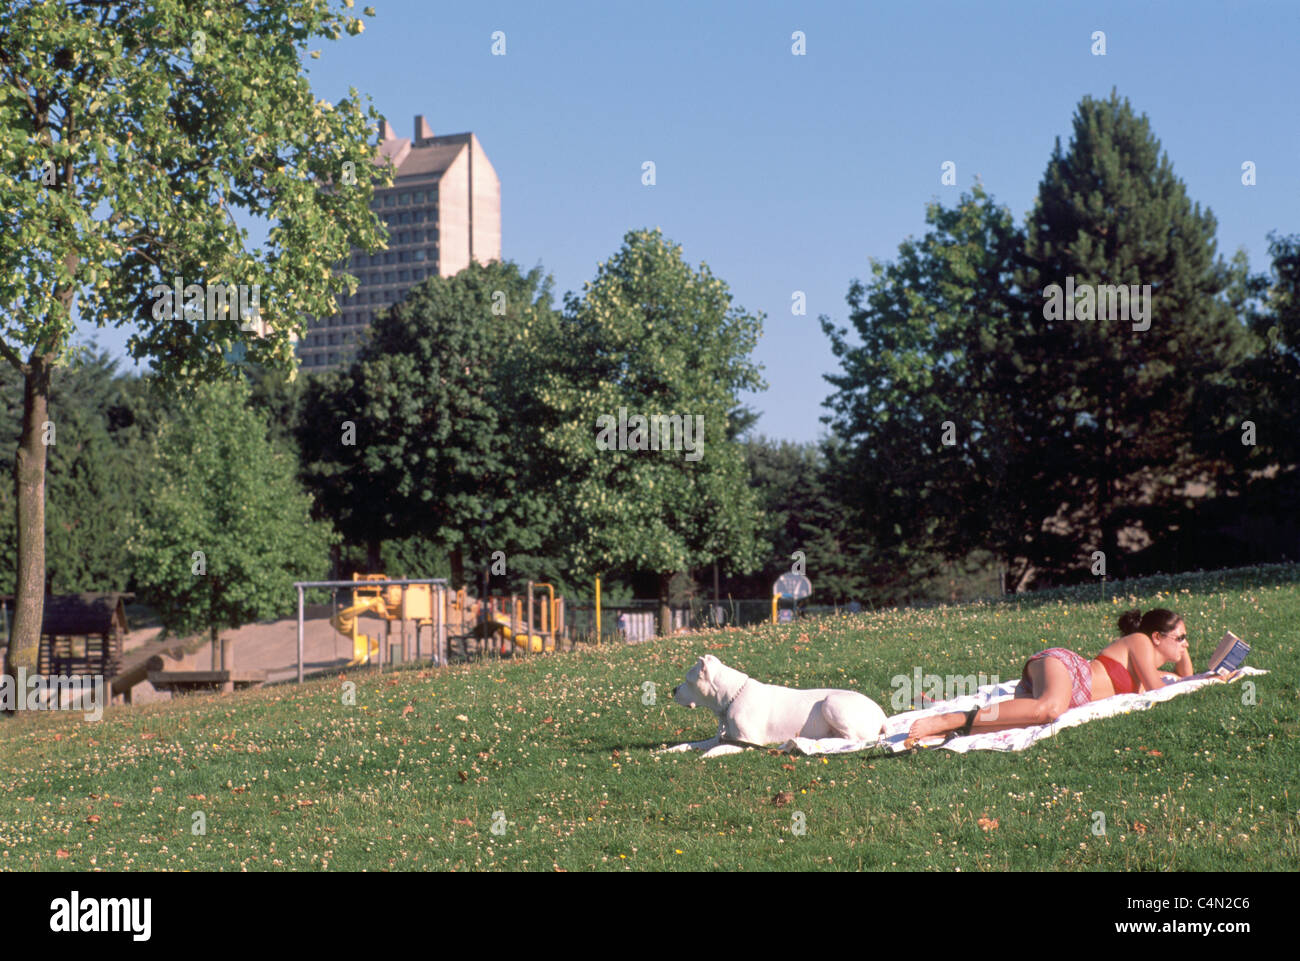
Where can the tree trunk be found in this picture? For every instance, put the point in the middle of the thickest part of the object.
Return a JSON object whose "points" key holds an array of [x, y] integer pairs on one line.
{"points": [[665, 610], [373, 560], [457, 569], [29, 487]]}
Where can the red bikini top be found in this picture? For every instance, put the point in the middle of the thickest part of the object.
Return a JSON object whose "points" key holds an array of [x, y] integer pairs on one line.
{"points": [[1125, 682]]}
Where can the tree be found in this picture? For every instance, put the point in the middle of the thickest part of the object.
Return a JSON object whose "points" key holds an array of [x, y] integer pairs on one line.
{"points": [[93, 490], [131, 137], [227, 529], [930, 453], [982, 412], [653, 349], [437, 429], [1110, 211]]}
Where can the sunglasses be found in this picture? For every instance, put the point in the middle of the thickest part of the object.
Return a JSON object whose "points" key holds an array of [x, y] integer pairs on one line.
{"points": [[1180, 638]]}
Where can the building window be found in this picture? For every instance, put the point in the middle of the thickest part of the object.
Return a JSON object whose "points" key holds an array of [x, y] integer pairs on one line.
{"points": [[404, 200], [403, 275], [419, 255], [418, 273], [389, 200]]}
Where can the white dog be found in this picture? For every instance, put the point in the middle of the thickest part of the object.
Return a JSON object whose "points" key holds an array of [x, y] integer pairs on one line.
{"points": [[752, 713]]}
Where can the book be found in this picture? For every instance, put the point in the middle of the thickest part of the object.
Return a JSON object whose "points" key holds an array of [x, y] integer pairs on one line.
{"points": [[1229, 655]]}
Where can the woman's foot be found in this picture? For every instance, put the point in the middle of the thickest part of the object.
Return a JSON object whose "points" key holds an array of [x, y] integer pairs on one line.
{"points": [[935, 724]]}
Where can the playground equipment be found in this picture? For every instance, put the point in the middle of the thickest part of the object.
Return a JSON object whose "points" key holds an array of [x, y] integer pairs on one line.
{"points": [[528, 624], [402, 599], [385, 599]]}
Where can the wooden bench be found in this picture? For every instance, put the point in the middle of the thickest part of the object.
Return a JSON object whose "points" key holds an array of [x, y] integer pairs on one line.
{"points": [[224, 681]]}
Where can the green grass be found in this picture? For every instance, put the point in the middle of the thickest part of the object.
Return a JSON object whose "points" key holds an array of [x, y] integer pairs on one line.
{"points": [[409, 778]]}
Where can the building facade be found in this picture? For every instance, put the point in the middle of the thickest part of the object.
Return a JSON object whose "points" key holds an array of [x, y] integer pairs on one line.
{"points": [[443, 210]]}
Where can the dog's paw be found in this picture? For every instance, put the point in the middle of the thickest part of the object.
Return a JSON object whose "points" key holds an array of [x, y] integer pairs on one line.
{"points": [[722, 749], [675, 748]]}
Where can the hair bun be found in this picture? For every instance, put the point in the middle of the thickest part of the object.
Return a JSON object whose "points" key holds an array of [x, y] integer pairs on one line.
{"points": [[1130, 621]]}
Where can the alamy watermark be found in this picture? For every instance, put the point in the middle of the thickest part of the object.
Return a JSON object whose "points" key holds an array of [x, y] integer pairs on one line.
{"points": [[39, 692], [656, 432], [913, 691], [1098, 302], [209, 302]]}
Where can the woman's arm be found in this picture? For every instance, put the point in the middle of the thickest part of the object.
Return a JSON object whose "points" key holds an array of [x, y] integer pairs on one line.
{"points": [[1142, 658]]}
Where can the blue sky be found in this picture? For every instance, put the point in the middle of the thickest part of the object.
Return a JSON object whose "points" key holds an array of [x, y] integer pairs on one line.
{"points": [[788, 172]]}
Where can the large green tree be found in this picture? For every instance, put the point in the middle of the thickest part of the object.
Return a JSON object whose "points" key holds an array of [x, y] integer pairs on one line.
{"points": [[651, 337], [982, 411], [933, 454], [134, 137], [1111, 211], [227, 529], [437, 430]]}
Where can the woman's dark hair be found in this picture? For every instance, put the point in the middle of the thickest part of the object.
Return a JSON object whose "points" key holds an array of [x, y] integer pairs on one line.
{"points": [[1158, 619]]}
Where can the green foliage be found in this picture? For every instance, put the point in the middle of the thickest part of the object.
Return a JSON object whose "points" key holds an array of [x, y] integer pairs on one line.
{"points": [[94, 491], [1111, 211], [221, 488], [651, 335], [447, 423], [938, 332], [162, 124], [975, 420]]}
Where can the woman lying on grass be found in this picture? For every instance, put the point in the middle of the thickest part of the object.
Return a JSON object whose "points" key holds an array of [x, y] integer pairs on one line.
{"points": [[1057, 679]]}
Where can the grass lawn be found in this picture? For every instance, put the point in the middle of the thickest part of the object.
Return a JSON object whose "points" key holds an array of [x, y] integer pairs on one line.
{"points": [[412, 774]]}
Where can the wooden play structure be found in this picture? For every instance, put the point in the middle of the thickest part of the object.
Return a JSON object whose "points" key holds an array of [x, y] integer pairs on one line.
{"points": [[82, 634], [533, 623]]}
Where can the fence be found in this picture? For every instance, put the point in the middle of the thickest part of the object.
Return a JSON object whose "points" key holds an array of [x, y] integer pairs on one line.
{"points": [[637, 620]]}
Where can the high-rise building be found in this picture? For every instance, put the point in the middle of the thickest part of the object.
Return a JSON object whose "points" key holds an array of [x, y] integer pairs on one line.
{"points": [[443, 210]]}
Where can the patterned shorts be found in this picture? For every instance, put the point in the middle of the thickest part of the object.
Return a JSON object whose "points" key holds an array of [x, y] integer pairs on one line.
{"points": [[1080, 675]]}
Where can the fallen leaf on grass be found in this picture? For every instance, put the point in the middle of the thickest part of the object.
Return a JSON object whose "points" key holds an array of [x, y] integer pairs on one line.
{"points": [[783, 798]]}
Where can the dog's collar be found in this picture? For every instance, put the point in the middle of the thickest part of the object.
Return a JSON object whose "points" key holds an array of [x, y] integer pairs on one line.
{"points": [[727, 706]]}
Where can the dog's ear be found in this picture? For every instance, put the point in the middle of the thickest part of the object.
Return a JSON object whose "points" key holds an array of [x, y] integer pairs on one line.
{"points": [[710, 663]]}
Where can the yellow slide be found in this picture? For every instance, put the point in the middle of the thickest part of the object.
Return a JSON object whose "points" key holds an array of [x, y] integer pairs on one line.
{"points": [[501, 622], [532, 641], [345, 622]]}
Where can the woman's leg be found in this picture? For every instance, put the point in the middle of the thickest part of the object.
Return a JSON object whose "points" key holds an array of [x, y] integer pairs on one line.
{"points": [[1051, 682]]}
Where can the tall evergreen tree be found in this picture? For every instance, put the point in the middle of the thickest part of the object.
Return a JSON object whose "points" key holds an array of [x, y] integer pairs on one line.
{"points": [[1110, 211]]}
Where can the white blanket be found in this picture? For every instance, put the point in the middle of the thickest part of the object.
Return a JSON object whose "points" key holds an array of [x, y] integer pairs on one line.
{"points": [[1012, 739]]}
